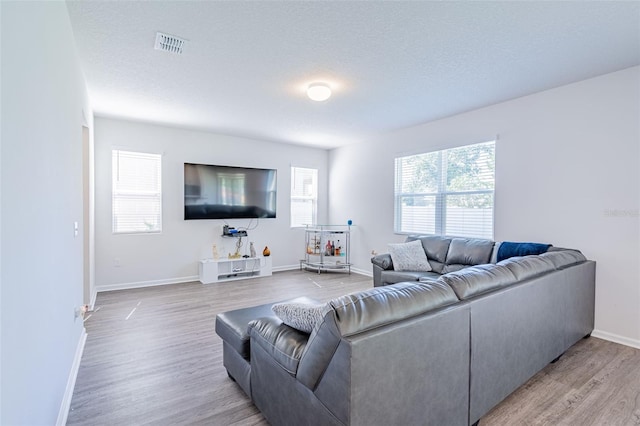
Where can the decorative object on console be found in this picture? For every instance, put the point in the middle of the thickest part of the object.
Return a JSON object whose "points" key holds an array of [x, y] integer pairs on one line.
{"points": [[409, 257], [237, 254], [266, 252], [252, 250], [214, 252]]}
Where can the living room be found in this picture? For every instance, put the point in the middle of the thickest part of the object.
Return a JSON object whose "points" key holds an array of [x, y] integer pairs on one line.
{"points": [[567, 173]]}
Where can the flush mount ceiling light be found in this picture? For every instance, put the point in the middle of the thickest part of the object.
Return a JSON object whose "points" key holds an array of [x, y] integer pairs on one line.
{"points": [[318, 92]]}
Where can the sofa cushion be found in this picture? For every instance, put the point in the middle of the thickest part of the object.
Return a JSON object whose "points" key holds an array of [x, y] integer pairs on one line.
{"points": [[453, 268], [368, 309], [409, 257], [478, 279], [435, 246], [527, 266], [467, 251], [429, 277], [564, 258], [301, 316], [392, 277], [510, 249]]}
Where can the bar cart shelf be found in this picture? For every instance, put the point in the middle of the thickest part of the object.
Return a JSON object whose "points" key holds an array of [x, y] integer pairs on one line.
{"points": [[327, 248]]}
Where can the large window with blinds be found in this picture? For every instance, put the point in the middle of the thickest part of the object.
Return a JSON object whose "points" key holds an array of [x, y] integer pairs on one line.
{"points": [[447, 192], [136, 192], [304, 196]]}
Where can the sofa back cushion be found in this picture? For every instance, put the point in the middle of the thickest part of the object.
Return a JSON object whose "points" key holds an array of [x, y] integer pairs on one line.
{"points": [[563, 258], [478, 279], [524, 267], [436, 248], [361, 311], [464, 252]]}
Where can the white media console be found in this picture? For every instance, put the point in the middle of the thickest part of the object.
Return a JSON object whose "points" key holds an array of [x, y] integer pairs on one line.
{"points": [[218, 270]]}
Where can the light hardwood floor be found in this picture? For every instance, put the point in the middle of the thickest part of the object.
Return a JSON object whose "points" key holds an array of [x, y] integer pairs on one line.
{"points": [[152, 357]]}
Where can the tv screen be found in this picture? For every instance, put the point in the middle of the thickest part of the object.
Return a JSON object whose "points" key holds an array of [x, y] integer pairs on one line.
{"points": [[225, 192]]}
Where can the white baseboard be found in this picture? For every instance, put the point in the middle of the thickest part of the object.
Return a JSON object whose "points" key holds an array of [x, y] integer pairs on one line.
{"points": [[139, 284], [71, 381], [285, 268], [365, 272], [616, 338]]}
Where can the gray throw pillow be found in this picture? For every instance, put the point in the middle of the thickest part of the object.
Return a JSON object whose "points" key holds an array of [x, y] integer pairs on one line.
{"points": [[409, 257], [301, 316]]}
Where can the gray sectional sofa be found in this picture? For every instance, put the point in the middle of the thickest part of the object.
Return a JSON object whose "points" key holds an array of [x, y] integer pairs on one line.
{"points": [[438, 348], [445, 255]]}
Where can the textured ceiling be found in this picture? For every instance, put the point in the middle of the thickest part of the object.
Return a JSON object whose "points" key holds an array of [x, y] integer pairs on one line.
{"points": [[391, 64]]}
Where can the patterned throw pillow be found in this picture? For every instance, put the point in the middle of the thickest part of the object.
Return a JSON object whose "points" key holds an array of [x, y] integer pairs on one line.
{"points": [[301, 316], [409, 257]]}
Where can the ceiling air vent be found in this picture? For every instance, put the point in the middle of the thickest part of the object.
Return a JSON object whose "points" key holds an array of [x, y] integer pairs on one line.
{"points": [[169, 43]]}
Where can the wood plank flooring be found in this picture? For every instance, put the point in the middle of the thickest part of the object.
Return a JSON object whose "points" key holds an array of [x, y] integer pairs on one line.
{"points": [[152, 358]]}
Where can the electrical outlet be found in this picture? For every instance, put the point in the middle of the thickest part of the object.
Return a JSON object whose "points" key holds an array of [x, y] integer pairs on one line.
{"points": [[116, 262]]}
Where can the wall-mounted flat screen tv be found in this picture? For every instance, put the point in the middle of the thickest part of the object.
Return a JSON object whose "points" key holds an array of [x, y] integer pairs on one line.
{"points": [[225, 192]]}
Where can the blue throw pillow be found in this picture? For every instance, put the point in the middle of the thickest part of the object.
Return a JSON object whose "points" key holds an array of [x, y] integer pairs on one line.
{"points": [[509, 249]]}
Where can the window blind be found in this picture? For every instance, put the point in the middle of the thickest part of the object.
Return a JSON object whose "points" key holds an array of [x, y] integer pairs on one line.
{"points": [[447, 192], [304, 196], [136, 192]]}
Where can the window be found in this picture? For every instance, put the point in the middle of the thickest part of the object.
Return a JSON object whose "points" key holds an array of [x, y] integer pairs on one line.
{"points": [[446, 192], [136, 192], [304, 196]]}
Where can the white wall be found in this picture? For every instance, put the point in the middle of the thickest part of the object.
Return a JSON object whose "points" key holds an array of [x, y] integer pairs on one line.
{"points": [[43, 101], [173, 255], [567, 173]]}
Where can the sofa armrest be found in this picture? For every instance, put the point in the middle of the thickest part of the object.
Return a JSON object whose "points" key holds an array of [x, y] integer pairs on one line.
{"points": [[285, 344], [383, 261]]}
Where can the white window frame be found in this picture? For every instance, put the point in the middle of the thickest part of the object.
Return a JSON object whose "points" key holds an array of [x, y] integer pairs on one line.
{"points": [[303, 195], [438, 197], [129, 186]]}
